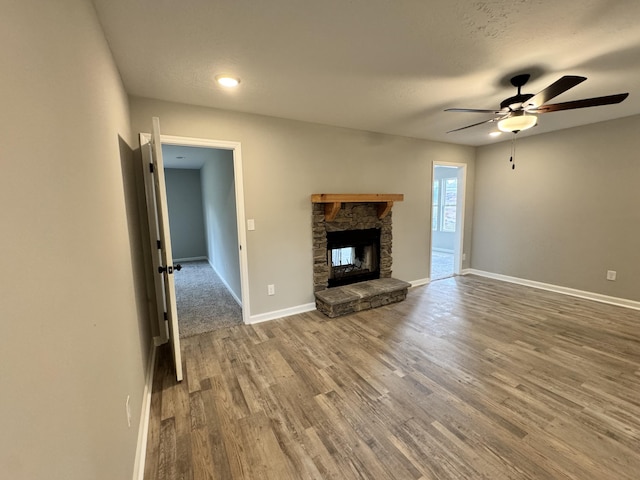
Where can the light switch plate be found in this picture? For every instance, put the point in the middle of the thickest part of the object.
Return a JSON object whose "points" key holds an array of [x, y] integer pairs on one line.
{"points": [[251, 224]]}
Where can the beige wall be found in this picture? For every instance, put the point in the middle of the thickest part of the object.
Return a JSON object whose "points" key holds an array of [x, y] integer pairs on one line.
{"points": [[286, 161], [568, 213], [75, 336], [186, 214], [219, 200]]}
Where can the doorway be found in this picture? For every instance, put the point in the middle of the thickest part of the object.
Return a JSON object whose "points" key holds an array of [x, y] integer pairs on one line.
{"points": [[200, 184], [447, 220], [228, 254]]}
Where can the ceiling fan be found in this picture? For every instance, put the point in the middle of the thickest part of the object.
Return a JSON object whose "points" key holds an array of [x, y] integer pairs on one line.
{"points": [[520, 112]]}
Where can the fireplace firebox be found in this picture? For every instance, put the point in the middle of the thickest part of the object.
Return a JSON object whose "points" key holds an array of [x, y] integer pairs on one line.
{"points": [[353, 256]]}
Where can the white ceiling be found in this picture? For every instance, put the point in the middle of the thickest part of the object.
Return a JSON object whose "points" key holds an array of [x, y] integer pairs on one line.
{"points": [[389, 66], [179, 156]]}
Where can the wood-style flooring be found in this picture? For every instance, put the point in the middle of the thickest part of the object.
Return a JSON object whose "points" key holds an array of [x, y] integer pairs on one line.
{"points": [[469, 378]]}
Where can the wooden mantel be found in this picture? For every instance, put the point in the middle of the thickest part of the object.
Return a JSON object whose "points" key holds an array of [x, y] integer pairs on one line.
{"points": [[333, 201]]}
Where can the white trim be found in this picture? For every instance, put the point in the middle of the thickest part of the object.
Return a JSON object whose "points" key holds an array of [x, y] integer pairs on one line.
{"points": [[419, 282], [198, 142], [285, 312], [190, 259], [235, 297], [597, 297], [242, 232], [240, 213], [143, 428]]}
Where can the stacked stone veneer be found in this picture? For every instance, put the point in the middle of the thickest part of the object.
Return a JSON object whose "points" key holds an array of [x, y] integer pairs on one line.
{"points": [[334, 302], [352, 216]]}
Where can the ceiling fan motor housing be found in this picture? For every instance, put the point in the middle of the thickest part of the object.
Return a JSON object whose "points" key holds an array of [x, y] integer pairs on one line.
{"points": [[515, 102]]}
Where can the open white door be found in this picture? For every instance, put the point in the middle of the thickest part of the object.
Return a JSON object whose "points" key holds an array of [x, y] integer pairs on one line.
{"points": [[158, 214]]}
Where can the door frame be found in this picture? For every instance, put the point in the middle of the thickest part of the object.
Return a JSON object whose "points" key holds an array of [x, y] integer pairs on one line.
{"points": [[236, 149], [460, 209]]}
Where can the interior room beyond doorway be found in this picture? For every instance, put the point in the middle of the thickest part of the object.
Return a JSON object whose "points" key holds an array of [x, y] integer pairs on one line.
{"points": [[202, 216]]}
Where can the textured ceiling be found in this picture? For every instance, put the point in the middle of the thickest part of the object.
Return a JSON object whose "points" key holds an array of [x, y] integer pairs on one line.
{"points": [[191, 158], [389, 66]]}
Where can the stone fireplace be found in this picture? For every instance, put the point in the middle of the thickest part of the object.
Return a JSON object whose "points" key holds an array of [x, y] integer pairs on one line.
{"points": [[359, 225], [352, 253]]}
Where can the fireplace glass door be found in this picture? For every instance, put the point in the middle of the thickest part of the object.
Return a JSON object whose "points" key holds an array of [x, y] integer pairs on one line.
{"points": [[353, 256]]}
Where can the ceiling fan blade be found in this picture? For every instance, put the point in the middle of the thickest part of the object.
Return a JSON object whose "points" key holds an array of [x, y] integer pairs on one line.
{"points": [[472, 125], [584, 103], [553, 90], [472, 110]]}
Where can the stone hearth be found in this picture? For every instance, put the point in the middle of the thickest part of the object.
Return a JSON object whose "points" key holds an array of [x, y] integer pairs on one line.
{"points": [[334, 302]]}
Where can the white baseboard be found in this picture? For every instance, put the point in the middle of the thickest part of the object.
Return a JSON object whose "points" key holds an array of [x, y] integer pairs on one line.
{"points": [[143, 428], [189, 259], [621, 302], [419, 282], [308, 307], [286, 312], [235, 297]]}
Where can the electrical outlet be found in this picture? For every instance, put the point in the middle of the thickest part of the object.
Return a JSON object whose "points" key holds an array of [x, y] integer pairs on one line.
{"points": [[251, 224], [271, 289], [128, 407], [464, 256], [611, 275]]}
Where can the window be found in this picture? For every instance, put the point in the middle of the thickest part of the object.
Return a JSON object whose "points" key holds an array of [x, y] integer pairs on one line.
{"points": [[435, 220], [444, 205], [449, 205], [342, 256]]}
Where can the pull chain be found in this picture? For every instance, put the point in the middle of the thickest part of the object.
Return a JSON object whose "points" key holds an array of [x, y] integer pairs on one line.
{"points": [[512, 159]]}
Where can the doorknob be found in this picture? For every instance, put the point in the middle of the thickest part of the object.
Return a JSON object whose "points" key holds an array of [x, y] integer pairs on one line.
{"points": [[170, 269]]}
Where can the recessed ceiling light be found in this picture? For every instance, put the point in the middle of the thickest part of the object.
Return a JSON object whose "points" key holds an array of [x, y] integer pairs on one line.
{"points": [[227, 80], [495, 134]]}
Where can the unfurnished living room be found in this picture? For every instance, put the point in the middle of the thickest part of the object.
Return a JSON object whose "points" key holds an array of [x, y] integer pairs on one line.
{"points": [[320, 240]]}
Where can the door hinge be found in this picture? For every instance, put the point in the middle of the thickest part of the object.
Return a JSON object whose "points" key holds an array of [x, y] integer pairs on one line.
{"points": [[159, 244], [166, 316], [151, 167]]}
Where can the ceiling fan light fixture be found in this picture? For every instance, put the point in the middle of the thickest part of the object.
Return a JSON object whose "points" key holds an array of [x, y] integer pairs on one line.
{"points": [[517, 122]]}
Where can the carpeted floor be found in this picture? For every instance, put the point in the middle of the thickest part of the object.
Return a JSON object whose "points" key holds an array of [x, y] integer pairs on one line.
{"points": [[441, 265], [204, 303]]}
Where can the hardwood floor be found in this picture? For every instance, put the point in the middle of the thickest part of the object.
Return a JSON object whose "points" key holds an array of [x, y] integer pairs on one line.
{"points": [[469, 378]]}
